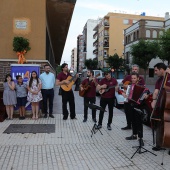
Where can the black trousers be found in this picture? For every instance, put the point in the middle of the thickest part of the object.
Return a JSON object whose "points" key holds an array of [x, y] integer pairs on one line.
{"points": [[68, 96], [48, 94], [88, 100], [128, 113], [137, 125], [103, 103]]}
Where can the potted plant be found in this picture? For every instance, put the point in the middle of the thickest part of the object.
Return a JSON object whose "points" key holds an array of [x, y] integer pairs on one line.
{"points": [[21, 46]]}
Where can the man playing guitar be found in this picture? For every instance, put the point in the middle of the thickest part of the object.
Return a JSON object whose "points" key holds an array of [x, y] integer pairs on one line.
{"points": [[107, 98], [88, 86], [67, 96], [127, 108]]}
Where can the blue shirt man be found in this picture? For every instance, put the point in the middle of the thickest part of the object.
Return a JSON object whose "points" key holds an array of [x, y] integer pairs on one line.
{"points": [[48, 82]]}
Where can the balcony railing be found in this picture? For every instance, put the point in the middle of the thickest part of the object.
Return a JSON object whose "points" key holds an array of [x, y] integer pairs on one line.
{"points": [[95, 34], [95, 51], [106, 24], [95, 43], [106, 34], [106, 45]]}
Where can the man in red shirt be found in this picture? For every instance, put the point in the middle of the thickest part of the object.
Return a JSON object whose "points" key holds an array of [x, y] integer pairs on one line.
{"points": [[90, 94], [107, 98], [160, 70], [67, 96], [127, 107]]}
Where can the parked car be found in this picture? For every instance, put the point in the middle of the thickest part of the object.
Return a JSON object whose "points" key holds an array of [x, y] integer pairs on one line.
{"points": [[119, 99]]}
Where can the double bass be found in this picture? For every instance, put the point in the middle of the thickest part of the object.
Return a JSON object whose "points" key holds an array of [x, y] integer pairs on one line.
{"points": [[160, 118]]}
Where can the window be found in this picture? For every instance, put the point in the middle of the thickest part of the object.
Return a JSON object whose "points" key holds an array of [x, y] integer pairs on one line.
{"points": [[148, 33], [154, 34], [126, 21]]}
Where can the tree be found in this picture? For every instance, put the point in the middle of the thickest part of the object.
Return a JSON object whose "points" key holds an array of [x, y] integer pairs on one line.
{"points": [[164, 42], [115, 62], [91, 64], [143, 52]]}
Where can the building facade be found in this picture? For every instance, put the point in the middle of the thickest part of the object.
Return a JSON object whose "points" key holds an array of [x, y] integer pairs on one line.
{"points": [[74, 59], [88, 32], [109, 34], [80, 58]]}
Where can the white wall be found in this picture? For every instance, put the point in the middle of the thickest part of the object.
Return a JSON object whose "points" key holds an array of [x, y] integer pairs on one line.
{"points": [[90, 26]]}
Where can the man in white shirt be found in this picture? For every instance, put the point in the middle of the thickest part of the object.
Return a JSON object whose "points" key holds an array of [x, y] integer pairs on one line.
{"points": [[48, 82]]}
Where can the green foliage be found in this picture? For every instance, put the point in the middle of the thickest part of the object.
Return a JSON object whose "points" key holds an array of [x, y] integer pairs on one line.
{"points": [[20, 44], [143, 52], [91, 64], [115, 62], [164, 42], [58, 70]]}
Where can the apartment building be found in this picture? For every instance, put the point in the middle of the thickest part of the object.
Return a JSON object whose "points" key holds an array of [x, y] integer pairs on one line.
{"points": [[109, 34], [74, 59], [88, 39], [80, 48]]}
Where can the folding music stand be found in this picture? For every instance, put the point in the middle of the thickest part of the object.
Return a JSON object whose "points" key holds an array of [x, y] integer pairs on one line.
{"points": [[140, 147], [95, 129]]}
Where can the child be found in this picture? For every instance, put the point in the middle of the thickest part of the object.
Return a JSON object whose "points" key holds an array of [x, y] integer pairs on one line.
{"points": [[21, 91], [9, 96], [34, 93]]}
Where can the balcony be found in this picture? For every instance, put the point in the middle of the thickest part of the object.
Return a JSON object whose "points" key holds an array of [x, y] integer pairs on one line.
{"points": [[95, 34], [106, 24], [95, 43], [106, 45], [106, 34], [95, 51]]}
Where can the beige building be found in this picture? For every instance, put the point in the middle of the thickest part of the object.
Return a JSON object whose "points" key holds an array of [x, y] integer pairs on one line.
{"points": [[109, 34], [44, 23]]}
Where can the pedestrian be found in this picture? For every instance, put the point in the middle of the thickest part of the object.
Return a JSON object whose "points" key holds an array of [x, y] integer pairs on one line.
{"points": [[107, 87], [67, 92], [88, 87], [48, 82], [21, 92], [9, 96], [34, 93]]}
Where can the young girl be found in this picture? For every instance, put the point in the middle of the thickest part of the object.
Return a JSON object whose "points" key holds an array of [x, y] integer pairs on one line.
{"points": [[21, 91], [34, 93], [9, 96]]}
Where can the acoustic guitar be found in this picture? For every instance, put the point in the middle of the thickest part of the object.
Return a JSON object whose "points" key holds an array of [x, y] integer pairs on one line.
{"points": [[68, 87], [104, 90], [86, 87]]}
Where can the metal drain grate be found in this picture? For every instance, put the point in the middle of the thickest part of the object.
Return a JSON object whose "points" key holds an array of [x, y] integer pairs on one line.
{"points": [[30, 128]]}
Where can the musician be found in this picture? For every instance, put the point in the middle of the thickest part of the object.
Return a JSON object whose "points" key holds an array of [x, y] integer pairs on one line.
{"points": [[137, 126], [90, 94], [160, 70], [107, 98], [67, 96], [126, 81]]}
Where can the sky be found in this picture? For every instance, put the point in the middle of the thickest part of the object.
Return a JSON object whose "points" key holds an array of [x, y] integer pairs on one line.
{"points": [[93, 9]]}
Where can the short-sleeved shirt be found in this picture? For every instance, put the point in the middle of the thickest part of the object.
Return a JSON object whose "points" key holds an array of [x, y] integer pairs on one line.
{"points": [[61, 76], [110, 83], [48, 80], [92, 90], [21, 90], [140, 82]]}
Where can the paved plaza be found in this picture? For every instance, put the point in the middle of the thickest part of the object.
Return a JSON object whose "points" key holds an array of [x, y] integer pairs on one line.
{"points": [[71, 147]]}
